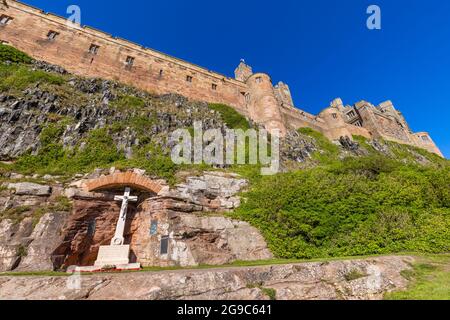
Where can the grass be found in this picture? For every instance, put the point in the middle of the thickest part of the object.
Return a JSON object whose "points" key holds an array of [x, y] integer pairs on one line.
{"points": [[231, 117], [8, 53], [328, 151], [127, 102], [15, 78], [430, 280]]}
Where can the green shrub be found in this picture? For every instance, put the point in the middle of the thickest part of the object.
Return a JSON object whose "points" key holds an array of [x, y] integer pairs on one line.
{"points": [[231, 117], [348, 209], [8, 53]]}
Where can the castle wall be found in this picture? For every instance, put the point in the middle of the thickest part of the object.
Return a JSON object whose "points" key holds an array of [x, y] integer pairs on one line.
{"points": [[252, 95], [151, 70]]}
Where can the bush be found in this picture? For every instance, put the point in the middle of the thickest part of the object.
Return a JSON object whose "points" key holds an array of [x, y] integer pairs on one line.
{"points": [[8, 53], [357, 207]]}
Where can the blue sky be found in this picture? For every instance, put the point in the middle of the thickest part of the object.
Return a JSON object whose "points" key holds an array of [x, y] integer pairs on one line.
{"points": [[321, 48]]}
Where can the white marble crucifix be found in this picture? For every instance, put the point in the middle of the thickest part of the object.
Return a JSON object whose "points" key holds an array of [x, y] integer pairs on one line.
{"points": [[120, 228]]}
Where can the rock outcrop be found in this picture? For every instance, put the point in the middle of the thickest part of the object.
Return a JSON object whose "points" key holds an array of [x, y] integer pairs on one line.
{"points": [[37, 234], [335, 280]]}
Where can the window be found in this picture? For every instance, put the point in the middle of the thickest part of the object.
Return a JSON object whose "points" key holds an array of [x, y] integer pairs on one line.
{"points": [[247, 97], [164, 245], [189, 78], [214, 86], [52, 35], [93, 49], [154, 227], [4, 20], [358, 123], [351, 114], [129, 62], [425, 138], [335, 115], [258, 80]]}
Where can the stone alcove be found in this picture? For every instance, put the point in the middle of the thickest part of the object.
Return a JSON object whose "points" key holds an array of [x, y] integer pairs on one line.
{"points": [[94, 218]]}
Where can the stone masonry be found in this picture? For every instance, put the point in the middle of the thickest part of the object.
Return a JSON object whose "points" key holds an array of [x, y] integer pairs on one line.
{"points": [[88, 52]]}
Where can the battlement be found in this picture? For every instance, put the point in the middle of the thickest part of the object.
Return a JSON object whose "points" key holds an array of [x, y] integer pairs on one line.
{"points": [[89, 52]]}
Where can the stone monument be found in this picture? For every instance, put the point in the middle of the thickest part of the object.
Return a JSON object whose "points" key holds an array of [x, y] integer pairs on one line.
{"points": [[116, 255]]}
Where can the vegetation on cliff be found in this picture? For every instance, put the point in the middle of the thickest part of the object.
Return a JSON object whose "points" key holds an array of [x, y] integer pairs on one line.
{"points": [[358, 206], [379, 197]]}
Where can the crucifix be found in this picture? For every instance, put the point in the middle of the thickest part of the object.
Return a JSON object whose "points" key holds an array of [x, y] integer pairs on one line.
{"points": [[120, 228]]}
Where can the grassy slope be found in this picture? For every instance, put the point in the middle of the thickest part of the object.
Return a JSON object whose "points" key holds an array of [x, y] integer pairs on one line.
{"points": [[430, 280]]}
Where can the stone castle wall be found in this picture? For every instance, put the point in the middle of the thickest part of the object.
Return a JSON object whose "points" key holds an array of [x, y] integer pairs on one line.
{"points": [[92, 53]]}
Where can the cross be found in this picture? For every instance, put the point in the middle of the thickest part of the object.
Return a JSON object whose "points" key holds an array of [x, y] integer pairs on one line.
{"points": [[120, 228]]}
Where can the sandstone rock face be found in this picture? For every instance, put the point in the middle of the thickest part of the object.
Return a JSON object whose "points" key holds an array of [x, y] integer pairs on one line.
{"points": [[46, 237], [306, 281], [215, 191], [30, 189], [14, 239], [188, 217], [90, 225]]}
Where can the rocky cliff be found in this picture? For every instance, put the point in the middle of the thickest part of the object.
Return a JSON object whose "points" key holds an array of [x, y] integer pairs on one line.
{"points": [[335, 280]]}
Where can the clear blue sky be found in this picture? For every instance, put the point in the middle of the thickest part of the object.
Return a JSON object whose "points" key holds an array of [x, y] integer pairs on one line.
{"points": [[321, 48]]}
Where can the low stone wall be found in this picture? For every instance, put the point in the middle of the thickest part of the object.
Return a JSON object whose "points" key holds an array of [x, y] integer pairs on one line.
{"points": [[335, 280]]}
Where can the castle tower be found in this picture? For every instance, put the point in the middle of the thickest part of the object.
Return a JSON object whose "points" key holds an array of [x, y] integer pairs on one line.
{"points": [[336, 125], [283, 94], [263, 106], [243, 71]]}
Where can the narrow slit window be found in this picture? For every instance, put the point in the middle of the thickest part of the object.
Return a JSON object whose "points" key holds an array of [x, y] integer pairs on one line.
{"points": [[164, 245], [189, 78], [93, 49], [161, 72], [130, 61], [214, 86], [154, 227], [52, 35], [4, 20], [335, 115]]}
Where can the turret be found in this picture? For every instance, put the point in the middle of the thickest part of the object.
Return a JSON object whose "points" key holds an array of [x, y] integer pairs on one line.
{"points": [[263, 106], [243, 71], [283, 94], [337, 127]]}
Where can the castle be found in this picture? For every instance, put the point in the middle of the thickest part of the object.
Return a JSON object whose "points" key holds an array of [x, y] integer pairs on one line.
{"points": [[88, 52]]}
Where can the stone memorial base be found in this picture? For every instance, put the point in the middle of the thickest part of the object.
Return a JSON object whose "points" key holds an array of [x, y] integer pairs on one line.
{"points": [[110, 257]]}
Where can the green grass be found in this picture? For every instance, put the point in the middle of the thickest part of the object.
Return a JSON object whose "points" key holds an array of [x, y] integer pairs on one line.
{"points": [[328, 151], [231, 117], [128, 102], [8, 53], [430, 280], [15, 78]]}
